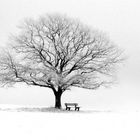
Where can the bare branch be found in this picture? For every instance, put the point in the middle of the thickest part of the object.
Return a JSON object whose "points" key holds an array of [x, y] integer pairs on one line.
{"points": [[56, 51]]}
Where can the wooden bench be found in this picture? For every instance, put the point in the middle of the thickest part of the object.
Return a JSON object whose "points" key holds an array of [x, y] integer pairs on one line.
{"points": [[72, 105]]}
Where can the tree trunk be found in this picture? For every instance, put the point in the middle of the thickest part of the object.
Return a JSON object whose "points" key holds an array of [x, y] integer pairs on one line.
{"points": [[58, 98], [58, 101]]}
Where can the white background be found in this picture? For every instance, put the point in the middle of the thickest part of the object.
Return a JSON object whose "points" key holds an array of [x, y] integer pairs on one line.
{"points": [[118, 18]]}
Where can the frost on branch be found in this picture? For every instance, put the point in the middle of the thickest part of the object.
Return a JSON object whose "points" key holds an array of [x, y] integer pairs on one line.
{"points": [[58, 52]]}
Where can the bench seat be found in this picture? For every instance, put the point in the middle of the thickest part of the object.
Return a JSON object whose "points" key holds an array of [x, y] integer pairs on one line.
{"points": [[72, 105]]}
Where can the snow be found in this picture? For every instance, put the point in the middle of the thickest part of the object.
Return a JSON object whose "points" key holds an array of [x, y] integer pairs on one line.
{"points": [[101, 125]]}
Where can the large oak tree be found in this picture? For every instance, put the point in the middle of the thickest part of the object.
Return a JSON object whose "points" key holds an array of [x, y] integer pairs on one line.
{"points": [[58, 52]]}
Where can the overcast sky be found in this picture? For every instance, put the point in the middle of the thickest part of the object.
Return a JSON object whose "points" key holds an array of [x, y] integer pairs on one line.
{"points": [[120, 19]]}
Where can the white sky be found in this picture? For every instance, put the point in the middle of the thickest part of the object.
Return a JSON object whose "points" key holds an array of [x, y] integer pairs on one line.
{"points": [[120, 19]]}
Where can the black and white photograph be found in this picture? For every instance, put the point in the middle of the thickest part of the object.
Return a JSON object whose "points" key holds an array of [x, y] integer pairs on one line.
{"points": [[70, 69]]}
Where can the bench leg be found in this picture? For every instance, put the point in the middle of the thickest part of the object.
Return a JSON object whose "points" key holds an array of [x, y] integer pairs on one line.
{"points": [[77, 108], [67, 108]]}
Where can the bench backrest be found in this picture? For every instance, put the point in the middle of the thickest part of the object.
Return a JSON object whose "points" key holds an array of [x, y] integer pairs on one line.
{"points": [[71, 104]]}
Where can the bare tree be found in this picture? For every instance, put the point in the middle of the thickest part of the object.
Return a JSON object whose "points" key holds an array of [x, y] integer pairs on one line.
{"points": [[58, 52]]}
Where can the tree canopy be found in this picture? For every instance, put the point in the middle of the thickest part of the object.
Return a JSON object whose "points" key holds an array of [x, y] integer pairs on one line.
{"points": [[58, 52]]}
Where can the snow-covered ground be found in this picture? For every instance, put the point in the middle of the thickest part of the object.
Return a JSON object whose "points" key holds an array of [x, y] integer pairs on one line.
{"points": [[94, 125]]}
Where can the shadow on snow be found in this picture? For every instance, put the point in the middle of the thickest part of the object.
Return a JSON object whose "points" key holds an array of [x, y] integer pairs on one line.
{"points": [[50, 109]]}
